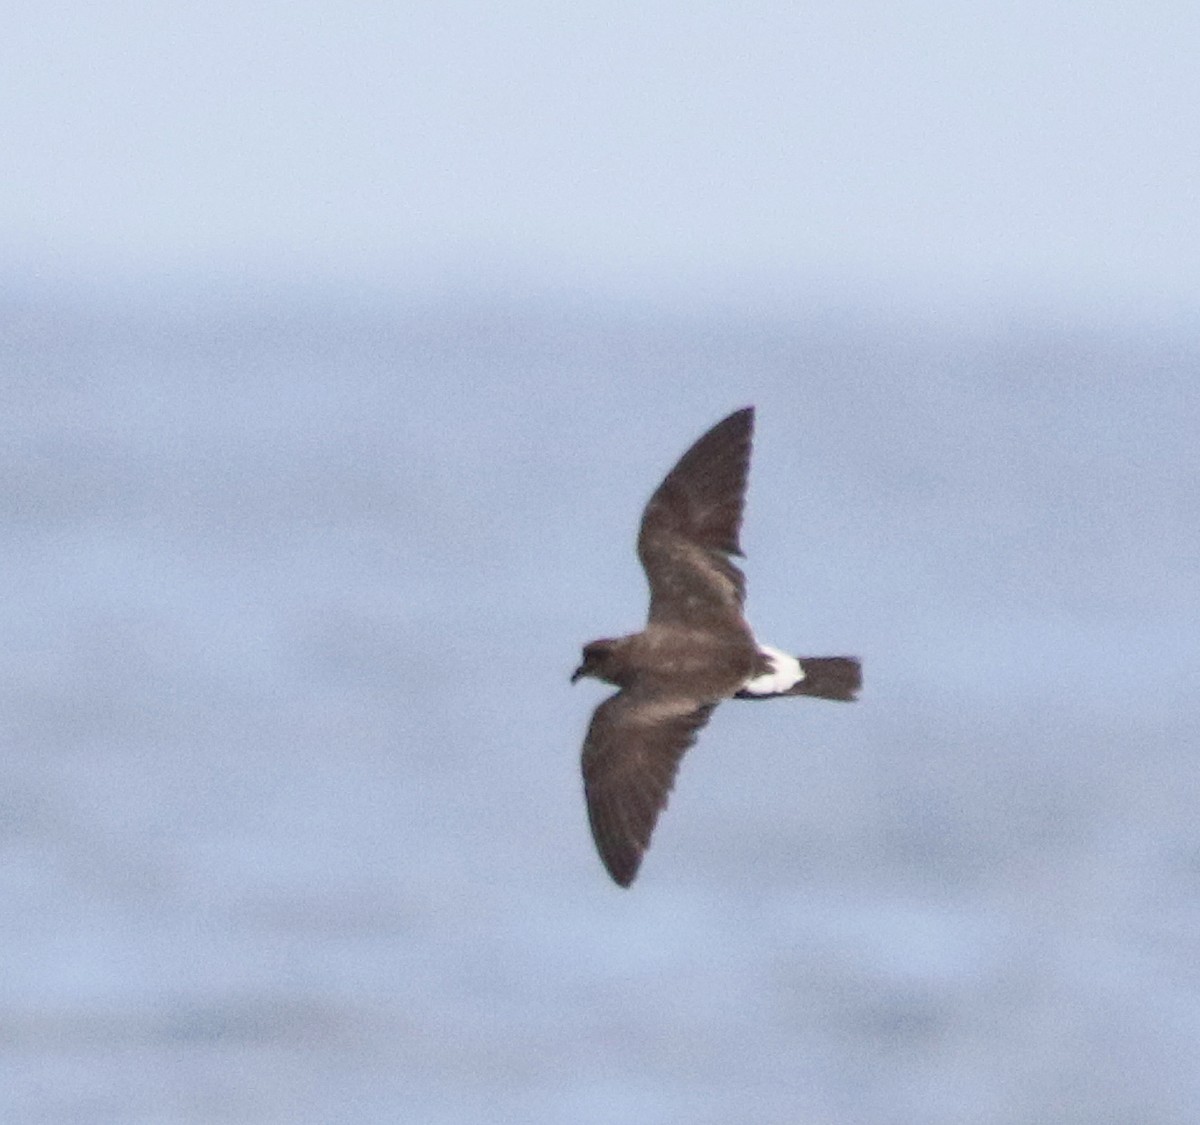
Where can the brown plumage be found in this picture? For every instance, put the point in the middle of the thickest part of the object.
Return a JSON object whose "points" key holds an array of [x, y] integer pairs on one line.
{"points": [[695, 651]]}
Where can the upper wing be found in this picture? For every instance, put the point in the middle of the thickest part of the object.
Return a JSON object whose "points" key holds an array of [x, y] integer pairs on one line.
{"points": [[690, 528], [630, 756]]}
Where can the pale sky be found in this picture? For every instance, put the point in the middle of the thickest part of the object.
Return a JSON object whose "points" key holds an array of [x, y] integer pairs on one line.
{"points": [[1010, 151]]}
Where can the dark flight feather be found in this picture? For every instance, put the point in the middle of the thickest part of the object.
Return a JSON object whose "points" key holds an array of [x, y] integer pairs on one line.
{"points": [[691, 527], [630, 758]]}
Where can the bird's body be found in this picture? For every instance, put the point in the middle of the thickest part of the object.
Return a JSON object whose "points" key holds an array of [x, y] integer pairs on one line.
{"points": [[695, 651], [673, 658]]}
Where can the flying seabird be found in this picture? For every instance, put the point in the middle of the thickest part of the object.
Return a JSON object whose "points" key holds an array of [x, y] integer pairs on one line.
{"points": [[695, 651]]}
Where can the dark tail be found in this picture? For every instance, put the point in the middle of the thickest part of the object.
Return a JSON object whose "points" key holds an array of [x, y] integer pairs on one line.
{"points": [[830, 677], [826, 677]]}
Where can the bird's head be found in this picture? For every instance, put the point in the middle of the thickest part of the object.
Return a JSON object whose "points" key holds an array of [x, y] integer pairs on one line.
{"points": [[597, 657]]}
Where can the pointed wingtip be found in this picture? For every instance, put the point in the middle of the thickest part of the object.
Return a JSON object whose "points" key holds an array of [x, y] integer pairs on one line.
{"points": [[743, 416], [621, 867], [742, 419]]}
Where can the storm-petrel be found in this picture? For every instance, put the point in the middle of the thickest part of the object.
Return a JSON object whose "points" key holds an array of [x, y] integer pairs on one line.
{"points": [[695, 651]]}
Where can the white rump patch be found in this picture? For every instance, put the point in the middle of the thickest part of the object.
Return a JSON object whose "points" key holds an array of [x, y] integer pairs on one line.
{"points": [[785, 673]]}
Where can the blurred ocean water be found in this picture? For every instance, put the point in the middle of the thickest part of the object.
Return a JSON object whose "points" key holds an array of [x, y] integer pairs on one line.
{"points": [[290, 817]]}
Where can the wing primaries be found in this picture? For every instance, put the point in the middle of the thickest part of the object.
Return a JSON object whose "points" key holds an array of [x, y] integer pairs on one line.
{"points": [[692, 525], [630, 758]]}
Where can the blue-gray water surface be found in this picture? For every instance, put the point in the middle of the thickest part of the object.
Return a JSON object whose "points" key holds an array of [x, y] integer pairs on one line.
{"points": [[290, 816]]}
